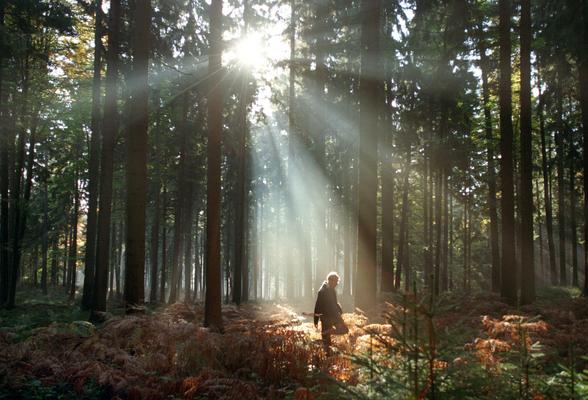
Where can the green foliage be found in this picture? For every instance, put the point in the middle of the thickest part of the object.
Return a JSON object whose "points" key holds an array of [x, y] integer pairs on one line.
{"points": [[36, 390]]}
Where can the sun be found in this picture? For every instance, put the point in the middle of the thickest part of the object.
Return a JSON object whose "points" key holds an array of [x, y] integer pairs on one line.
{"points": [[250, 52]]}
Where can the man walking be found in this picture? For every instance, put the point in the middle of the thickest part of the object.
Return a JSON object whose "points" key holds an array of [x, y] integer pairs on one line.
{"points": [[329, 311]]}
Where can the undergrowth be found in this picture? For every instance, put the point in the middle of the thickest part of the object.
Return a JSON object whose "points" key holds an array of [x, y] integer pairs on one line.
{"points": [[456, 347]]}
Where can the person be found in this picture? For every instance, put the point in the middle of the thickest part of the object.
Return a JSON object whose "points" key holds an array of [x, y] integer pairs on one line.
{"points": [[329, 311]]}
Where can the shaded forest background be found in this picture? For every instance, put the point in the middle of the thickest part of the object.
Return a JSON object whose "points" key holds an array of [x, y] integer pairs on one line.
{"points": [[210, 152]]}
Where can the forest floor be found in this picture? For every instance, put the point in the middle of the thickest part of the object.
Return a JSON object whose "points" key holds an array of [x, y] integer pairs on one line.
{"points": [[464, 346]]}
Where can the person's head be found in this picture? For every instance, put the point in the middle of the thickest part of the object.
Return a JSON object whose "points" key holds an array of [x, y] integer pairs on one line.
{"points": [[333, 279]]}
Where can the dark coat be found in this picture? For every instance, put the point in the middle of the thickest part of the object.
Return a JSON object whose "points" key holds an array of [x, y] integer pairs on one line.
{"points": [[326, 305]]}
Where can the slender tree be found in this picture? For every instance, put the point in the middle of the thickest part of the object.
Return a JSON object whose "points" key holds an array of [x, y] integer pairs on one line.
{"points": [[526, 191], [508, 288], [545, 168], [110, 128], [491, 176], [583, 67], [212, 304], [137, 160], [370, 94], [94, 160]]}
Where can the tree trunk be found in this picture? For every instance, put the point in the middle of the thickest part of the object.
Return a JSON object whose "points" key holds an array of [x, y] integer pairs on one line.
{"points": [[445, 260], [451, 245], [110, 127], [94, 163], [179, 218], [73, 247], [155, 244], [212, 305], [495, 250], [16, 212], [4, 167], [54, 260], [508, 288], [188, 242], [240, 226], [370, 93], [573, 226], [45, 232], [545, 168], [540, 233], [137, 160], [526, 192], [401, 266], [163, 247], [114, 246], [387, 282], [560, 148], [583, 67]]}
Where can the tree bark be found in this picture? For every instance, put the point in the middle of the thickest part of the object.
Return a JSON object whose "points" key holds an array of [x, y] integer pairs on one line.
{"points": [[45, 228], [573, 226], [560, 148], [137, 160], [4, 166], [73, 247], [545, 168], [402, 266], [370, 95], [526, 190], [93, 163], [241, 197], [16, 208], [491, 177], [212, 304], [508, 288], [583, 67], [110, 128], [163, 247]]}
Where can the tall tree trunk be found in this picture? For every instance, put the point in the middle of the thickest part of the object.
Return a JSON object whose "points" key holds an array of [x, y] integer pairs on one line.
{"points": [[137, 160], [114, 246], [118, 257], [526, 192], [65, 253], [427, 267], [465, 244], [573, 226], [451, 245], [73, 247], [560, 148], [438, 224], [508, 288], [110, 128], [163, 247], [545, 168], [45, 228], [212, 304], [401, 266], [93, 163], [16, 211], [54, 260], [583, 67], [180, 218], [370, 95], [491, 177], [188, 219], [445, 260], [67, 267], [539, 231], [241, 195], [4, 167], [155, 244], [387, 282]]}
